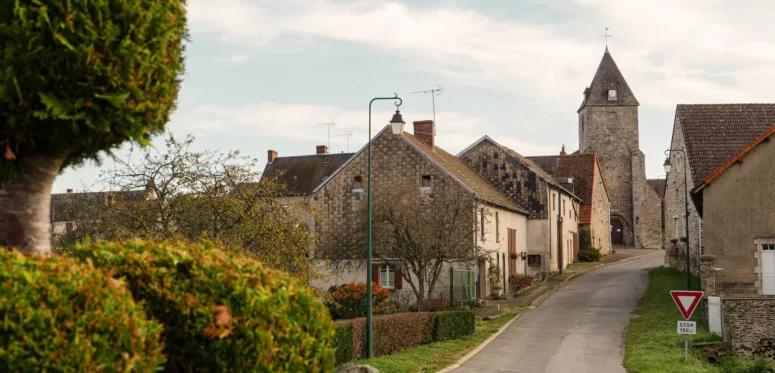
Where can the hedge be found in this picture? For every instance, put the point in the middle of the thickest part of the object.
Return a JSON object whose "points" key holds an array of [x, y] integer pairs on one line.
{"points": [[454, 324], [221, 312], [343, 341], [59, 315]]}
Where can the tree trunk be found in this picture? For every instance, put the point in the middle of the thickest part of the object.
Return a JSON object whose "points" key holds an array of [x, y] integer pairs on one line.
{"points": [[25, 205]]}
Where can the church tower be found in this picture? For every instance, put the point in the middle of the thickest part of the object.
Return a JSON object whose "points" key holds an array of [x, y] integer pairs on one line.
{"points": [[608, 125]]}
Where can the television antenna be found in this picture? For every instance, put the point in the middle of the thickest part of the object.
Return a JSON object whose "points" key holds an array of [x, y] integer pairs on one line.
{"points": [[329, 125], [436, 91], [349, 135]]}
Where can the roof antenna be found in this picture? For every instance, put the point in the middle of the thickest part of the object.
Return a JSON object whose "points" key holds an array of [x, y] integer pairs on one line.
{"points": [[606, 36], [329, 124], [434, 92], [349, 135]]}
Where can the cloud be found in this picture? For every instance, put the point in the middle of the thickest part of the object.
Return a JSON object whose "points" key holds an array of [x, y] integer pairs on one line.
{"points": [[238, 58]]}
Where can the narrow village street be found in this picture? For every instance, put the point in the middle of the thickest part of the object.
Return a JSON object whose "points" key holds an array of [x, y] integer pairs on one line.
{"points": [[578, 329]]}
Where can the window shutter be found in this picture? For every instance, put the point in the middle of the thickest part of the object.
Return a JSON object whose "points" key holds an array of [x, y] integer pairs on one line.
{"points": [[398, 279], [375, 273]]}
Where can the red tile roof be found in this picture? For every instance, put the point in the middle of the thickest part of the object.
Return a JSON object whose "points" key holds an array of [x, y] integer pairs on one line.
{"points": [[585, 217]]}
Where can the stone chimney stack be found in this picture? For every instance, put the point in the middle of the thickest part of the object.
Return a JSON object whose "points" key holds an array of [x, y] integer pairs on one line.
{"points": [[321, 149], [425, 131], [69, 190], [271, 155], [562, 152]]}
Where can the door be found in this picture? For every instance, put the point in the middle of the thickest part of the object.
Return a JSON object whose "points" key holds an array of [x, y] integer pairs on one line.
{"points": [[512, 238], [768, 269], [575, 247], [617, 232]]}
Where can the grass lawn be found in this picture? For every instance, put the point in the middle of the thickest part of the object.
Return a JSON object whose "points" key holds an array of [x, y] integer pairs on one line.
{"points": [[652, 342], [436, 356]]}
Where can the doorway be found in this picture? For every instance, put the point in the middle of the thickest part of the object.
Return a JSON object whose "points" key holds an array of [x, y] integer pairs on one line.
{"points": [[617, 232]]}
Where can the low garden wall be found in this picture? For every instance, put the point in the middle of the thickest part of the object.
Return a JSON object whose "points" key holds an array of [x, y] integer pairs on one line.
{"points": [[393, 333], [749, 325]]}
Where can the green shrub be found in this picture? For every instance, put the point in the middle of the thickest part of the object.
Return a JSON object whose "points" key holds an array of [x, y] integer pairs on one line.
{"points": [[221, 312], [393, 333], [589, 254], [59, 315], [453, 324], [343, 341], [348, 301]]}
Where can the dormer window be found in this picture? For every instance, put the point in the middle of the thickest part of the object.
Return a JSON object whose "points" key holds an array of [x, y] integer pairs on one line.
{"points": [[612, 95]]}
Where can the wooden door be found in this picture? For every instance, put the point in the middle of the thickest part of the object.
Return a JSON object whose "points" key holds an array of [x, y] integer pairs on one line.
{"points": [[575, 247], [512, 241], [617, 232]]}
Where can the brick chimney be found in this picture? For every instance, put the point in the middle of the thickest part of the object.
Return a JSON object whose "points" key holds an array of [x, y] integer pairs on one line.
{"points": [[69, 190], [321, 149], [424, 130], [562, 152], [271, 155]]}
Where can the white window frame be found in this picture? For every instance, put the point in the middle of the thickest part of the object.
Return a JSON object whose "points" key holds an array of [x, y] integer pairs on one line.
{"points": [[387, 276]]}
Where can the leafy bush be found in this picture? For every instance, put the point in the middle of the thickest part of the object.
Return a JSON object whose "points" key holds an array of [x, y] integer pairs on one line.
{"points": [[393, 333], [453, 324], [221, 312], [349, 301], [57, 314], [520, 281], [343, 341], [589, 254]]}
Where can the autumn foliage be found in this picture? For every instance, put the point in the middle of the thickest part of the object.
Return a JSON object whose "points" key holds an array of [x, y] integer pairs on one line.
{"points": [[59, 315], [220, 312], [349, 301]]}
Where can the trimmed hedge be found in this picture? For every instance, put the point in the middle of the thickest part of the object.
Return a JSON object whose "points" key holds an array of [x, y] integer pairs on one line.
{"points": [[454, 324], [343, 340], [221, 312], [59, 315]]}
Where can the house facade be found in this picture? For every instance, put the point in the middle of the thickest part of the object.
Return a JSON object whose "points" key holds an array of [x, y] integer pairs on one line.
{"points": [[553, 211], [587, 183], [704, 138], [497, 225]]}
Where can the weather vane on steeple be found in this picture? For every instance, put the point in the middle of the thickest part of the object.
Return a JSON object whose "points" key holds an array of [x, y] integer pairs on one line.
{"points": [[606, 36]]}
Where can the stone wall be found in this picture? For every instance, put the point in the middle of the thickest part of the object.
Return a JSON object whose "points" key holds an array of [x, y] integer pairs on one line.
{"points": [[649, 219], [510, 176], [749, 325], [675, 257], [600, 225]]}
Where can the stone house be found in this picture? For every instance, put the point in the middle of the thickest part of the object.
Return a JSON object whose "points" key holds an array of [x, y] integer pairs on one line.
{"points": [[709, 136], [608, 125], [65, 206], [499, 225], [588, 183], [552, 225], [736, 202]]}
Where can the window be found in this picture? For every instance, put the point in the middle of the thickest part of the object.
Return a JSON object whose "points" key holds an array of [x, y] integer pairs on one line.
{"points": [[554, 207], [563, 208], [611, 95], [534, 260], [357, 184], [767, 263], [481, 222], [426, 181], [68, 227], [497, 228], [387, 276]]}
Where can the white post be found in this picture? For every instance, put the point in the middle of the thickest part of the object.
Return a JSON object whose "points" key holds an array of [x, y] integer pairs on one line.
{"points": [[686, 347]]}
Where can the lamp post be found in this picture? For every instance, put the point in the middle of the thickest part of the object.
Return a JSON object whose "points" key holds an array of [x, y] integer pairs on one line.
{"points": [[397, 127], [686, 207]]}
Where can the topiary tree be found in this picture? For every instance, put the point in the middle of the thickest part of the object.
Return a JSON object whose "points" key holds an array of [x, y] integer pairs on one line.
{"points": [[221, 312], [59, 315], [77, 77]]}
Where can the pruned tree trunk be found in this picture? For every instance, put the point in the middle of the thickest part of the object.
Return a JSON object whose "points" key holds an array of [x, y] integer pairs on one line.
{"points": [[25, 205]]}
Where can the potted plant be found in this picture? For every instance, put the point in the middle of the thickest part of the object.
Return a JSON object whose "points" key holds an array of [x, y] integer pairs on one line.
{"points": [[496, 289], [513, 255], [683, 239], [674, 240], [494, 275]]}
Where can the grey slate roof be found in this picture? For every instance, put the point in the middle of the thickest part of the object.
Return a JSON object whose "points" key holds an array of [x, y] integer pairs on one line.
{"points": [[658, 185], [65, 205], [302, 174], [608, 77], [717, 132]]}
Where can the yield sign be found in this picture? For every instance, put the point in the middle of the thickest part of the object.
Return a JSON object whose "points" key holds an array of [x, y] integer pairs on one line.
{"points": [[686, 301]]}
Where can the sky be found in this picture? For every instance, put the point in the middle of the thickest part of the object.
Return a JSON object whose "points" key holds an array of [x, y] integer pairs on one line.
{"points": [[262, 74]]}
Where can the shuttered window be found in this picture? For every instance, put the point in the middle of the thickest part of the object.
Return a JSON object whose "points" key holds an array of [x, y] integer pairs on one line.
{"points": [[768, 269]]}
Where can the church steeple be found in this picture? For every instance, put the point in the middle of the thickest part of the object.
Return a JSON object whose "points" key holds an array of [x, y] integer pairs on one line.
{"points": [[608, 86]]}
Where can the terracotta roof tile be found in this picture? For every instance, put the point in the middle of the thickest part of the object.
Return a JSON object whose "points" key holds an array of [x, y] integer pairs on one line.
{"points": [[585, 216], [715, 133], [465, 174]]}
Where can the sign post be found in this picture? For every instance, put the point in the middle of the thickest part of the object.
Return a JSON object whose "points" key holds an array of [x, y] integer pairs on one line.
{"points": [[687, 302]]}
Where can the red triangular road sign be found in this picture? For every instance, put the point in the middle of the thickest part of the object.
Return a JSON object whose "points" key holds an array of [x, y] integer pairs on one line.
{"points": [[686, 301]]}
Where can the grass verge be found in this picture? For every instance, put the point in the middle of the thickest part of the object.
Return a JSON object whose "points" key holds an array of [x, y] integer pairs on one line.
{"points": [[436, 356], [652, 342]]}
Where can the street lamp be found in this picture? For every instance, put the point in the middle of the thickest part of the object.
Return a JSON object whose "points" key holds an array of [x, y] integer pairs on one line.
{"points": [[397, 127], [686, 207]]}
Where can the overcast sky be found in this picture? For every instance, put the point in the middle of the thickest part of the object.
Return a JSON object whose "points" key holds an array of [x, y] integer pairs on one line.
{"points": [[262, 73]]}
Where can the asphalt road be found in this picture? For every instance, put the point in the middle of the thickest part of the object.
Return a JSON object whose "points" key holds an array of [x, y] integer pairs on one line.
{"points": [[578, 329]]}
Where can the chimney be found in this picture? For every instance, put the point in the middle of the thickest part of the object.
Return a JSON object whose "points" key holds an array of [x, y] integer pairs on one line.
{"points": [[424, 130], [562, 152], [111, 199], [69, 190], [271, 155], [321, 149], [149, 192]]}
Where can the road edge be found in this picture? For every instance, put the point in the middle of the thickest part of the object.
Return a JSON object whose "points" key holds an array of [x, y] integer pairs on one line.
{"points": [[543, 297], [481, 346]]}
